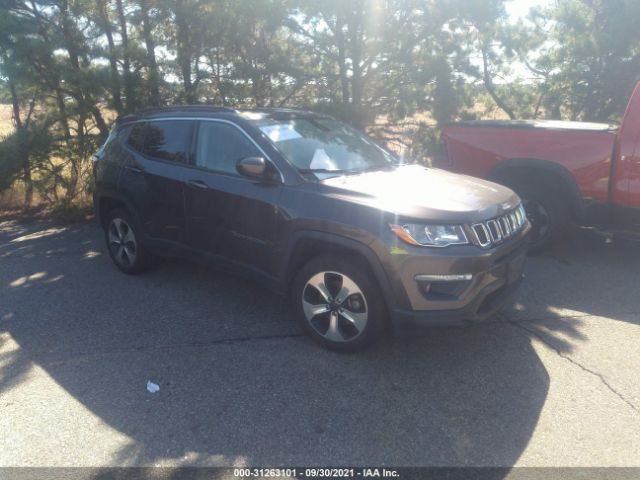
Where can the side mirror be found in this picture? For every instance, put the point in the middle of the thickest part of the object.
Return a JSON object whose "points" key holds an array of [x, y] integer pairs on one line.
{"points": [[252, 166], [256, 167]]}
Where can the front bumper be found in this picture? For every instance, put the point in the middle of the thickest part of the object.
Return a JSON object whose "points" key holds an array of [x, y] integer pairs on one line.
{"points": [[497, 275]]}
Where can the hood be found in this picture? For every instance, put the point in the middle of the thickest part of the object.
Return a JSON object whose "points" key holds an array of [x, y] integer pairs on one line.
{"points": [[425, 193]]}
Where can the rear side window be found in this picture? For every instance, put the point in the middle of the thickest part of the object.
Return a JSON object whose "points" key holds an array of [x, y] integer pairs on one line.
{"points": [[136, 137], [221, 145], [165, 140]]}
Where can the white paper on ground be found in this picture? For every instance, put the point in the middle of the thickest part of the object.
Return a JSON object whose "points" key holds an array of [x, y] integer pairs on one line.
{"points": [[152, 387]]}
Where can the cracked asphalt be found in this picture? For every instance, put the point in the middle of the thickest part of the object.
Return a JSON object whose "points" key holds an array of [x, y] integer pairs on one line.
{"points": [[550, 381]]}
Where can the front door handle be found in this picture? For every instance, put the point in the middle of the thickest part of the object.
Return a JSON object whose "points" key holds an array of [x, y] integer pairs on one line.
{"points": [[197, 184], [133, 169]]}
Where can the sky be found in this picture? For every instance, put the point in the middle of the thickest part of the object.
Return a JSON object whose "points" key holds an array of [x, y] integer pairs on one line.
{"points": [[520, 8]]}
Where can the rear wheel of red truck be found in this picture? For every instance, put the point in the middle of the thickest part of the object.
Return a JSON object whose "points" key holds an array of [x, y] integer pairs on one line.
{"points": [[546, 211]]}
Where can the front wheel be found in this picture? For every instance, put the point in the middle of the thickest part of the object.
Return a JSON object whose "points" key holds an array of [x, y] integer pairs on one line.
{"points": [[338, 304]]}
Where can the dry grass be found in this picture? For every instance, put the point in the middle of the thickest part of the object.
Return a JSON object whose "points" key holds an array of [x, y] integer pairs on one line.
{"points": [[6, 124]]}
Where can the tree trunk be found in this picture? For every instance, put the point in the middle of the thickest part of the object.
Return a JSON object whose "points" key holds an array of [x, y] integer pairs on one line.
{"points": [[356, 58], [257, 88], [23, 154], [488, 85], [115, 75], [357, 80], [74, 176], [216, 67], [51, 75], [342, 65], [82, 101], [62, 109], [184, 50], [126, 61], [85, 102], [154, 77], [97, 116]]}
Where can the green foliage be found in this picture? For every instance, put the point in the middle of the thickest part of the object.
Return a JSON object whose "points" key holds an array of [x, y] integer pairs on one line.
{"points": [[10, 159], [27, 145], [590, 61]]}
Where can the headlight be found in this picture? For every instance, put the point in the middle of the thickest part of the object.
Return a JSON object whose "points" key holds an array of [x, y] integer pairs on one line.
{"points": [[430, 235]]}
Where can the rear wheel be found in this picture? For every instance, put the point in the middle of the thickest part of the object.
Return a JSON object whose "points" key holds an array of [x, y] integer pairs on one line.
{"points": [[546, 210], [123, 237], [338, 304]]}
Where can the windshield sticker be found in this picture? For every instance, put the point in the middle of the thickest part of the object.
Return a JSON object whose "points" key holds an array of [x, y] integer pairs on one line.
{"points": [[322, 161], [280, 132]]}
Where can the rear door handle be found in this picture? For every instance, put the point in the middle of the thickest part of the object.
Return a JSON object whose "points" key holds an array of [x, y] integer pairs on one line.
{"points": [[133, 169], [197, 184]]}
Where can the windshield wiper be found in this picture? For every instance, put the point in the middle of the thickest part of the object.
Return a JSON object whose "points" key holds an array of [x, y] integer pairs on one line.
{"points": [[322, 170], [345, 171], [373, 168]]}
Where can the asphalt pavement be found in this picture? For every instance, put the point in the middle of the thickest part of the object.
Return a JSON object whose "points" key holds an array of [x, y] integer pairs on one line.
{"points": [[550, 381]]}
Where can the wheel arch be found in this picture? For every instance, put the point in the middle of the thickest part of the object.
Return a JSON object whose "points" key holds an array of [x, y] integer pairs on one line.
{"points": [[307, 245], [534, 168], [108, 201]]}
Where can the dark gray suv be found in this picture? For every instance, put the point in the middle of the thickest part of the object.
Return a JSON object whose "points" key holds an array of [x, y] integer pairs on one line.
{"points": [[316, 211]]}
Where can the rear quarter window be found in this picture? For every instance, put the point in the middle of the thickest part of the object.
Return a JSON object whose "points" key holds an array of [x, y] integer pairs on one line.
{"points": [[111, 148], [164, 140]]}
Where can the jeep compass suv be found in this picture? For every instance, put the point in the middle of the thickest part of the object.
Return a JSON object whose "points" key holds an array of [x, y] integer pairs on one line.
{"points": [[313, 209]]}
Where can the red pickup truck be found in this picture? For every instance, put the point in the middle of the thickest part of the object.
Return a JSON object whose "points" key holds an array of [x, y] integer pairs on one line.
{"points": [[565, 172]]}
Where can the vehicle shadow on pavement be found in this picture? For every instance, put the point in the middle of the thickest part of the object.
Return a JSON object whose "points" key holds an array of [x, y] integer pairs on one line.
{"points": [[239, 383], [587, 278]]}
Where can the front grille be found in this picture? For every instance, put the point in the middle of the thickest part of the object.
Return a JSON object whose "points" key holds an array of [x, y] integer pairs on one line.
{"points": [[496, 230]]}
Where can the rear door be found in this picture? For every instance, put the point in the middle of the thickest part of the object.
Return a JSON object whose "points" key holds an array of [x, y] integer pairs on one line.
{"points": [[153, 175], [230, 215]]}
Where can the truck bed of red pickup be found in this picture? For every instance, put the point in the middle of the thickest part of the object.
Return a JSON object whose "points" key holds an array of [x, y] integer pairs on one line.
{"points": [[564, 171], [584, 150]]}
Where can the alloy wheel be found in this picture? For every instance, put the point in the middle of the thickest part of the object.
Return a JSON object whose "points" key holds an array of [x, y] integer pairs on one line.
{"points": [[335, 306], [122, 242]]}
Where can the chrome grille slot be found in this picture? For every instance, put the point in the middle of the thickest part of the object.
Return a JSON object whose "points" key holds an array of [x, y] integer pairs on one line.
{"points": [[482, 234], [505, 226], [496, 230]]}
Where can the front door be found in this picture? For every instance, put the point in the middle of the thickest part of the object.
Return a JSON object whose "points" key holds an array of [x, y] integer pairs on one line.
{"points": [[230, 215]]}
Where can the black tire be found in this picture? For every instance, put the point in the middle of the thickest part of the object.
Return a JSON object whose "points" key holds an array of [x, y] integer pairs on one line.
{"points": [[129, 255], [547, 211], [364, 299]]}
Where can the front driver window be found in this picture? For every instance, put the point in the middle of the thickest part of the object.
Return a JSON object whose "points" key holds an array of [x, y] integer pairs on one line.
{"points": [[221, 145]]}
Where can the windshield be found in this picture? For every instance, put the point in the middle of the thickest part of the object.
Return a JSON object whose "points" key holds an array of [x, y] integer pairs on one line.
{"points": [[323, 145]]}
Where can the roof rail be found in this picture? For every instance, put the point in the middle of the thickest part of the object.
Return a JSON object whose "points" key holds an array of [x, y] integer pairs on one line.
{"points": [[192, 108], [174, 108]]}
